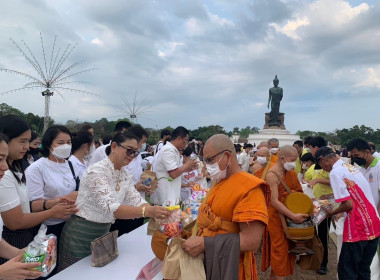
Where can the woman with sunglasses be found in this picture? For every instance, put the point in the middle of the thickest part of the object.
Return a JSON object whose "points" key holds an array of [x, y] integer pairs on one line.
{"points": [[106, 193]]}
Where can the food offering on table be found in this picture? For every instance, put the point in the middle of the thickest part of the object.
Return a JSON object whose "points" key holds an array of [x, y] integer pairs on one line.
{"points": [[319, 214], [42, 249]]}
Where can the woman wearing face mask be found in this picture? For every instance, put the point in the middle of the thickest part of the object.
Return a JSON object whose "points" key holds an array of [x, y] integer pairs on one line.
{"points": [[82, 146], [49, 180], [34, 150], [20, 224], [106, 193]]}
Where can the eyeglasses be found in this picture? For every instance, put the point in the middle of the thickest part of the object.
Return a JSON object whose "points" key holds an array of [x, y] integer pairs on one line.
{"points": [[210, 159], [130, 152]]}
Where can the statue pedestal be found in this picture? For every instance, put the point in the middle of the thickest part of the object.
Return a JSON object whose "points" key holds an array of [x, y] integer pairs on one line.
{"points": [[284, 136], [281, 118]]}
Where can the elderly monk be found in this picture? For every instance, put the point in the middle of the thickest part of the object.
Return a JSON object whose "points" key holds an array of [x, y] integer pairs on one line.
{"points": [[236, 204], [275, 250], [262, 164], [273, 146]]}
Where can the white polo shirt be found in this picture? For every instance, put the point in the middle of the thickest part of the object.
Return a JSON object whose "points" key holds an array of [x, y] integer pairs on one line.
{"points": [[243, 160], [372, 174], [168, 190], [135, 168], [12, 193]]}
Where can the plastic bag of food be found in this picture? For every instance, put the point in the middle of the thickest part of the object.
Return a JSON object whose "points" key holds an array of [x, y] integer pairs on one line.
{"points": [[42, 249], [319, 214], [172, 225]]}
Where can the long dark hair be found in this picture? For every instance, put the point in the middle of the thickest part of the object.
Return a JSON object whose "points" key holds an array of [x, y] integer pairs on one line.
{"points": [[12, 127], [120, 138], [49, 136]]}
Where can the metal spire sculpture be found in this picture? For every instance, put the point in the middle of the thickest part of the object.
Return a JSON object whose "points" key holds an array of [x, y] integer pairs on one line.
{"points": [[135, 109], [52, 76]]}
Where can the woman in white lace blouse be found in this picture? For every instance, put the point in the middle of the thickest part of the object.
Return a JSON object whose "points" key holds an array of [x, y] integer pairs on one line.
{"points": [[106, 193]]}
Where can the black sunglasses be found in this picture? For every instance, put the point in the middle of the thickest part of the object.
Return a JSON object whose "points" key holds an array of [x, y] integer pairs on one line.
{"points": [[210, 159], [130, 152]]}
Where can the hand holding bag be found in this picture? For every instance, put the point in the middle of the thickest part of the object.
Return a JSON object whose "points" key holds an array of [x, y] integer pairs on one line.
{"points": [[104, 249]]}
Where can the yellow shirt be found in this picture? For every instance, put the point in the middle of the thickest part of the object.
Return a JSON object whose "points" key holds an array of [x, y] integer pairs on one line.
{"points": [[319, 189], [298, 167]]}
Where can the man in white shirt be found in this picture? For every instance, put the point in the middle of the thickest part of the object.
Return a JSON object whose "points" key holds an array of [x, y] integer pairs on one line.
{"points": [[169, 170], [370, 167], [244, 157], [373, 150], [100, 153]]}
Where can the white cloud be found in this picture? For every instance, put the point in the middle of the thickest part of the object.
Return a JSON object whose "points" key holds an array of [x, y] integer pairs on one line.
{"points": [[290, 28], [97, 41], [372, 78]]}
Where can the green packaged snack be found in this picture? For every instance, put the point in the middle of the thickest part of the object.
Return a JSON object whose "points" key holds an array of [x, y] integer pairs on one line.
{"points": [[42, 249]]}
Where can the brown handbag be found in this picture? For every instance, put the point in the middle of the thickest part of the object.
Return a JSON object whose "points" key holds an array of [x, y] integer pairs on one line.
{"points": [[104, 249]]}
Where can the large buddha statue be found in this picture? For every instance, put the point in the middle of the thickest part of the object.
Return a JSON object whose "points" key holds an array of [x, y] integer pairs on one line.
{"points": [[275, 97]]}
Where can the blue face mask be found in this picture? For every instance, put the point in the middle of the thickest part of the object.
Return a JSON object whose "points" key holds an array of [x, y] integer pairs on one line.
{"points": [[142, 149]]}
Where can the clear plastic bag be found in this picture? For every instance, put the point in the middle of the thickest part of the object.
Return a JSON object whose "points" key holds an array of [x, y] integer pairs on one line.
{"points": [[42, 249], [319, 214], [172, 225]]}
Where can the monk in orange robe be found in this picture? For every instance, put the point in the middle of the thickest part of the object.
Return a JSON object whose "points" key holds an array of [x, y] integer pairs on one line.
{"points": [[235, 204], [262, 164], [276, 247], [273, 145]]}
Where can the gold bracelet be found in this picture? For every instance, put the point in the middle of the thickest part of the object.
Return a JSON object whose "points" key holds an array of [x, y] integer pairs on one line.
{"points": [[143, 212]]}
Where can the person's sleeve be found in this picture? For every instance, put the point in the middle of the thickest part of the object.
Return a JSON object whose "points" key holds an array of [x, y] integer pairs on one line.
{"points": [[99, 154], [325, 174], [339, 188], [251, 207], [240, 158], [169, 160], [34, 183], [9, 197], [99, 186]]}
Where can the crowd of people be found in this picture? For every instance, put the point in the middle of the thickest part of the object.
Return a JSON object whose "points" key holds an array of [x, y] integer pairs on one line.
{"points": [[82, 188]]}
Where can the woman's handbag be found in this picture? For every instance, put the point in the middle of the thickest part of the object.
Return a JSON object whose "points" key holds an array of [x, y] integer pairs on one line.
{"points": [[104, 249]]}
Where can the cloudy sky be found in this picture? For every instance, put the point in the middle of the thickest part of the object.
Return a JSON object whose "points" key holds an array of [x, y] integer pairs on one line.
{"points": [[201, 63]]}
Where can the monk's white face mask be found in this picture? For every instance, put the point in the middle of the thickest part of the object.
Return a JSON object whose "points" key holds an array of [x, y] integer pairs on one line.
{"points": [[262, 160], [215, 172]]}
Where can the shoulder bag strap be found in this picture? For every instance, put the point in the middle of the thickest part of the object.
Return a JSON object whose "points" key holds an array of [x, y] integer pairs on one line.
{"points": [[281, 181], [75, 177]]}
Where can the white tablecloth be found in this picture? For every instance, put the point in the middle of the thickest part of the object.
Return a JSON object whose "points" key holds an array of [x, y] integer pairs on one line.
{"points": [[134, 253]]}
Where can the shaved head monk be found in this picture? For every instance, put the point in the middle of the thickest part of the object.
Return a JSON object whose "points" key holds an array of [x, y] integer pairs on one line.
{"points": [[235, 204], [262, 164], [275, 249]]}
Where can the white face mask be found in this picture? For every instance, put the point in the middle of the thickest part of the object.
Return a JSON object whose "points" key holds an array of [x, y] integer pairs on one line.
{"points": [[62, 151], [262, 160], [142, 149], [304, 167], [215, 172], [274, 150], [289, 165]]}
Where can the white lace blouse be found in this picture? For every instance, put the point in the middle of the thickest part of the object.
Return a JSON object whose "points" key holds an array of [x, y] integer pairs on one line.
{"points": [[98, 197]]}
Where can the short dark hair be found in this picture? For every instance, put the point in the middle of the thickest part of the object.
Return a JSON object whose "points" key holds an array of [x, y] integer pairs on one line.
{"points": [[248, 146], [49, 136], [307, 157], [359, 144], [120, 138], [187, 151], [139, 132], [307, 139], [318, 141], [3, 138], [122, 125], [179, 132], [373, 147], [107, 139], [86, 127], [165, 132], [80, 138], [299, 143], [34, 136]]}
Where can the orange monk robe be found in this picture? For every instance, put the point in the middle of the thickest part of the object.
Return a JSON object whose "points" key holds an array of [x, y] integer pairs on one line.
{"points": [[274, 158], [238, 199], [260, 172], [275, 249]]}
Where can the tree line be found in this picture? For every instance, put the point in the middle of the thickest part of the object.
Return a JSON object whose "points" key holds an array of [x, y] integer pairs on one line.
{"points": [[105, 127]]}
